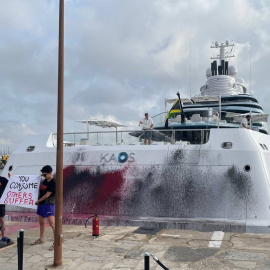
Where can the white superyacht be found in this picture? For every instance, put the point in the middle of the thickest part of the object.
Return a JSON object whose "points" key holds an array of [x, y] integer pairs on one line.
{"points": [[201, 171]]}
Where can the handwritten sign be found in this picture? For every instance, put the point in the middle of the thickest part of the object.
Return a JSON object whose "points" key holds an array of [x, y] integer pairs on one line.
{"points": [[21, 190]]}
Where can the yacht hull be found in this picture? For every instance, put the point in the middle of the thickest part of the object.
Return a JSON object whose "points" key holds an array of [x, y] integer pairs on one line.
{"points": [[202, 182]]}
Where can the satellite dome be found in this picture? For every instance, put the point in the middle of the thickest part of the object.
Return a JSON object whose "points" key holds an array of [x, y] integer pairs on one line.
{"points": [[208, 73], [232, 70], [240, 81]]}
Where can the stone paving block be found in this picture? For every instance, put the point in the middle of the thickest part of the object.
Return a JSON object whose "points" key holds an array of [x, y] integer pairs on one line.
{"points": [[117, 230], [77, 243], [98, 253], [187, 254], [108, 266], [34, 259], [104, 244], [129, 246], [92, 258], [89, 265], [242, 256], [110, 237], [251, 243], [26, 255], [245, 265], [120, 250], [134, 253], [73, 254], [131, 263], [10, 266], [78, 260], [266, 263], [169, 241], [3, 260], [136, 237], [180, 267], [153, 248], [70, 266], [251, 235], [111, 261], [10, 251], [49, 254], [122, 268], [185, 234], [204, 243]]}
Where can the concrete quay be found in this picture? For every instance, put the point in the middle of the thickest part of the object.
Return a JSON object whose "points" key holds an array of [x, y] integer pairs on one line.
{"points": [[121, 247]]}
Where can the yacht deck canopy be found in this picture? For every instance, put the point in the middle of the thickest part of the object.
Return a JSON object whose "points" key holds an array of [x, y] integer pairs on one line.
{"points": [[101, 123]]}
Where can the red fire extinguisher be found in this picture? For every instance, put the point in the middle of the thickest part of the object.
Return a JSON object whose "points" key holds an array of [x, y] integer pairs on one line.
{"points": [[95, 225]]}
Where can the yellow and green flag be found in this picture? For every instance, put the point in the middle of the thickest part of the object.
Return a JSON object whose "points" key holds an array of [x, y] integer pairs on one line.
{"points": [[175, 110]]}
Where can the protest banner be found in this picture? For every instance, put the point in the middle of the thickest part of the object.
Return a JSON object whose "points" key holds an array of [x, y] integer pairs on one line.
{"points": [[21, 190]]}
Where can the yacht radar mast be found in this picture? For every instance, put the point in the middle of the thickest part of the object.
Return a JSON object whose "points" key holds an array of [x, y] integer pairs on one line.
{"points": [[222, 47], [222, 79]]}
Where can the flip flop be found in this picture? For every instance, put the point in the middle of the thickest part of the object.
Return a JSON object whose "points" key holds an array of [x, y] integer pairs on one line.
{"points": [[52, 247], [38, 242]]}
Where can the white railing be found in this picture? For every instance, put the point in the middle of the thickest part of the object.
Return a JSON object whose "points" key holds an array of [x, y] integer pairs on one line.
{"points": [[133, 137]]}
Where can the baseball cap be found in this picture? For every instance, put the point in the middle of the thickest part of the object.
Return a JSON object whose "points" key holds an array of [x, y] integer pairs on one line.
{"points": [[46, 169]]}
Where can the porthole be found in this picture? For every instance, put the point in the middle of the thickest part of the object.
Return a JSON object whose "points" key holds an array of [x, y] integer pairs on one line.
{"points": [[226, 145], [30, 148], [247, 168]]}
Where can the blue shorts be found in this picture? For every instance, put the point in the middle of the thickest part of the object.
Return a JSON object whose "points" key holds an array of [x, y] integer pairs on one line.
{"points": [[45, 210]]}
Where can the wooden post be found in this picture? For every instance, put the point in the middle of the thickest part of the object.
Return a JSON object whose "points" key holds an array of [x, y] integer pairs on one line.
{"points": [[58, 236]]}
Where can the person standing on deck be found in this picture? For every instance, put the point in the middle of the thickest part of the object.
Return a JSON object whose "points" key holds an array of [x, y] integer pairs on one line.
{"points": [[148, 124], [46, 203], [244, 122]]}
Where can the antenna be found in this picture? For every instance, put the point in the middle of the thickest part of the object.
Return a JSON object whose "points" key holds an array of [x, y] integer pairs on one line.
{"points": [[250, 63], [190, 69]]}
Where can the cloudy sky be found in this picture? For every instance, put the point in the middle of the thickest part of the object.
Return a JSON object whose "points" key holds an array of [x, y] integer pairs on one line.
{"points": [[122, 58]]}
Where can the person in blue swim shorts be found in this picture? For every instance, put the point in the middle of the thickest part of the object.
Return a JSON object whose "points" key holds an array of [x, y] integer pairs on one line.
{"points": [[46, 203]]}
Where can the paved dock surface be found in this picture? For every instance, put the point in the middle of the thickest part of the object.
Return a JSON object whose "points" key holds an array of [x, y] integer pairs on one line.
{"points": [[122, 248]]}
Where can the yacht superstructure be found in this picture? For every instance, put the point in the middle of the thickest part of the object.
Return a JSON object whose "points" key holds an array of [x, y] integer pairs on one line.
{"points": [[222, 99]]}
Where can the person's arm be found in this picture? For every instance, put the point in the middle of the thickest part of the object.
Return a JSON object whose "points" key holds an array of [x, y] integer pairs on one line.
{"points": [[245, 125], [43, 198], [152, 124]]}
